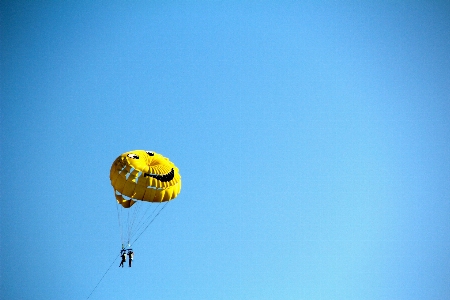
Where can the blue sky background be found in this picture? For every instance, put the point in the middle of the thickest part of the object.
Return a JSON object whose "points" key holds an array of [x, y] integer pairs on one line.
{"points": [[313, 140]]}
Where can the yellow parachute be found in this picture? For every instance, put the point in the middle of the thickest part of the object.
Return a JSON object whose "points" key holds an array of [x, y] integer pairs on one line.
{"points": [[139, 177]]}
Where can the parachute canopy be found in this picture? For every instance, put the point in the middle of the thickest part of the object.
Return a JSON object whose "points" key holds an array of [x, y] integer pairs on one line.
{"points": [[141, 178], [146, 176]]}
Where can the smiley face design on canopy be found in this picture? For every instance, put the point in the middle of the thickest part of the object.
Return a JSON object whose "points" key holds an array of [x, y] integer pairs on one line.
{"points": [[141, 175]]}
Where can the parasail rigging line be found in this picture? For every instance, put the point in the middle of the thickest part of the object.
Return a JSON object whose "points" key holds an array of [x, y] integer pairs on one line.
{"points": [[138, 217], [120, 224], [142, 216], [144, 219], [165, 204], [103, 276]]}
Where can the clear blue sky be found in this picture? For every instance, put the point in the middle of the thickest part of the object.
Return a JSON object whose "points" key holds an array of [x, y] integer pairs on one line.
{"points": [[313, 141]]}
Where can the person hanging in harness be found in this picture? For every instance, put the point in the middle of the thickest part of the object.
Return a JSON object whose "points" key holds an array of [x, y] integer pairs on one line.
{"points": [[130, 257], [123, 255]]}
